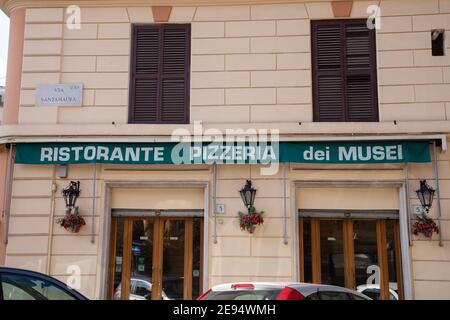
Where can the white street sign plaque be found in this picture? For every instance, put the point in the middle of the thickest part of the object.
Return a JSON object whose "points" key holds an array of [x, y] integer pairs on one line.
{"points": [[67, 94]]}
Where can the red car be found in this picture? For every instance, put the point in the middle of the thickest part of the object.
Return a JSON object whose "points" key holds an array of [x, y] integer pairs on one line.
{"points": [[280, 291]]}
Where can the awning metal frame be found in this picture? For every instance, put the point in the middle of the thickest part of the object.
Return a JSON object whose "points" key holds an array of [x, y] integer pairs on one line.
{"points": [[147, 213], [353, 214], [294, 138]]}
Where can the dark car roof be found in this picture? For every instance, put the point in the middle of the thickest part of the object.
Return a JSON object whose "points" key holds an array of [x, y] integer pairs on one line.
{"points": [[57, 282]]}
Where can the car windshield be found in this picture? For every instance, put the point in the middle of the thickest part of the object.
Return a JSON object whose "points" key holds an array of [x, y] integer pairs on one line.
{"points": [[268, 294], [21, 287], [375, 294]]}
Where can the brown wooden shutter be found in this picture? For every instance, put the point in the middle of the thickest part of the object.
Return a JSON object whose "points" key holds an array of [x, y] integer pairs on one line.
{"points": [[344, 71], [160, 66]]}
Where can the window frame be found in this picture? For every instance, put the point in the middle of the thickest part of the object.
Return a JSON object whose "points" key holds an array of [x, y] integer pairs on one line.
{"points": [[40, 277], [135, 27], [327, 291], [349, 266], [344, 70]]}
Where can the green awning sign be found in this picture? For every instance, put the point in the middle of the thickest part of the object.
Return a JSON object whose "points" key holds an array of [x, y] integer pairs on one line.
{"points": [[222, 153]]}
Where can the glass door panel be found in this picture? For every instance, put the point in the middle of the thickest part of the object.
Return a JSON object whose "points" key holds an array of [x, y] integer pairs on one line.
{"points": [[197, 274], [367, 270], [394, 261], [362, 254], [118, 258], [156, 258], [332, 252], [173, 259], [141, 260], [307, 251]]}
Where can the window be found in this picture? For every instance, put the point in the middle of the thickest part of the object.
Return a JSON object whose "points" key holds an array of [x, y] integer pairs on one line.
{"points": [[347, 252], [356, 297], [333, 295], [160, 69], [21, 287], [269, 294], [344, 71], [374, 294], [314, 296], [142, 289]]}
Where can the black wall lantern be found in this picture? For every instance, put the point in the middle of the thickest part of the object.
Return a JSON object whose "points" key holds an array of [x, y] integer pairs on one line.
{"points": [[71, 193], [248, 194], [425, 195]]}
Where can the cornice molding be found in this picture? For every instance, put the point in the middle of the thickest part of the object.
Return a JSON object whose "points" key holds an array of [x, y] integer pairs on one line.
{"points": [[9, 5], [292, 130]]}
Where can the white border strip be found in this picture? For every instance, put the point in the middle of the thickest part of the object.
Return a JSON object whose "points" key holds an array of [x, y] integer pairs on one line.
{"points": [[140, 139]]}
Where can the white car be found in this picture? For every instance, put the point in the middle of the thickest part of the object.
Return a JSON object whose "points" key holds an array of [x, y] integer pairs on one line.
{"points": [[280, 291], [140, 289], [373, 291]]}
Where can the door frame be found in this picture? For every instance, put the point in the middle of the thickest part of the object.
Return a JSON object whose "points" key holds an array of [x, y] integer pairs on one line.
{"points": [[158, 222], [403, 221], [349, 251], [105, 243]]}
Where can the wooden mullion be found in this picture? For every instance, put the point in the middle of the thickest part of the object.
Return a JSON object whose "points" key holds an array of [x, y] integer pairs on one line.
{"points": [[315, 251], [398, 259], [126, 260], [349, 254], [301, 254], [158, 242], [188, 256], [201, 254], [112, 258], [383, 259]]}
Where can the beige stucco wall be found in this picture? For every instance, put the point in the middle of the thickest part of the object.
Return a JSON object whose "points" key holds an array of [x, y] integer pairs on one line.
{"points": [[430, 262], [344, 198], [250, 63], [237, 255], [33, 203], [158, 198]]}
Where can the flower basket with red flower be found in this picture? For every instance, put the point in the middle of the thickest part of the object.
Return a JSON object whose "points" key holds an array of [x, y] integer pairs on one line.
{"points": [[72, 221], [425, 225], [249, 221]]}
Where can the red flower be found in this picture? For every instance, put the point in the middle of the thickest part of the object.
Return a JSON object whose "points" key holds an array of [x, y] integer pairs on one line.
{"points": [[72, 221], [250, 220], [425, 225]]}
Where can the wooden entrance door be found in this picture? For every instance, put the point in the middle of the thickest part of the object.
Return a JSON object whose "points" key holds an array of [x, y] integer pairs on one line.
{"points": [[156, 258], [355, 253]]}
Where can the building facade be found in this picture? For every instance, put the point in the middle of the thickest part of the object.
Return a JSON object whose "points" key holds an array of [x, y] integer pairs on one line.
{"points": [[354, 96]]}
